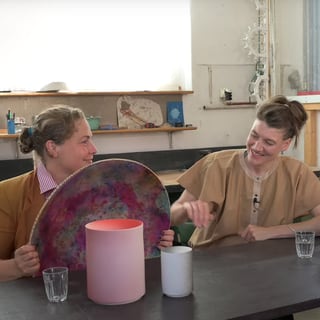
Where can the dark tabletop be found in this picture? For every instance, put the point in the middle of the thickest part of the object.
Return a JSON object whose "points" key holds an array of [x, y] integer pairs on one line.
{"points": [[260, 280]]}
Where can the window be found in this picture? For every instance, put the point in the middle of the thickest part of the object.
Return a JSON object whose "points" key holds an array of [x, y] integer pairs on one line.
{"points": [[312, 45], [296, 46], [95, 45]]}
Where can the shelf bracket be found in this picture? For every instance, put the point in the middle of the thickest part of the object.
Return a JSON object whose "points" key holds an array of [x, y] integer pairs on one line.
{"points": [[170, 139], [17, 148]]}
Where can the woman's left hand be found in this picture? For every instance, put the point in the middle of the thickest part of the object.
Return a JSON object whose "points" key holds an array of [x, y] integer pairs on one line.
{"points": [[166, 239], [255, 233]]}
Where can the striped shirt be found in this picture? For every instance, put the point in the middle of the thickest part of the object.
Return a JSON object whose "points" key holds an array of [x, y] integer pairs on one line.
{"points": [[46, 182]]}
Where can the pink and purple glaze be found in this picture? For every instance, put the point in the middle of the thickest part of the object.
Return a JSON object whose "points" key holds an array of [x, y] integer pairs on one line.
{"points": [[113, 188]]}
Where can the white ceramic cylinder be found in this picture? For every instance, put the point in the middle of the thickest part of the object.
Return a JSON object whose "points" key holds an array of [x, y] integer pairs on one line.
{"points": [[176, 271], [115, 261]]}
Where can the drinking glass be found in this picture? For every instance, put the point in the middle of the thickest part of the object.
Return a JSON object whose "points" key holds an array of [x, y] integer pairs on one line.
{"points": [[304, 243], [56, 283]]}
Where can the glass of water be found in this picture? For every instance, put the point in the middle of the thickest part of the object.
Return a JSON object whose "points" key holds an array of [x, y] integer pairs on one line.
{"points": [[56, 283], [305, 243]]}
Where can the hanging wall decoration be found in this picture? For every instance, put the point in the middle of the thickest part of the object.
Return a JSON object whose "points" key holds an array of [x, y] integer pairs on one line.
{"points": [[256, 42]]}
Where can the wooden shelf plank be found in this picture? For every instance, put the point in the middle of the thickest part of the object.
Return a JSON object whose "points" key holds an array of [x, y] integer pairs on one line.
{"points": [[5, 135], [91, 93], [168, 129], [312, 106]]}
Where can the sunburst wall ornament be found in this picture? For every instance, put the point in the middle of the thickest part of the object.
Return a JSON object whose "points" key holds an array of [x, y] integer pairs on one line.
{"points": [[255, 41]]}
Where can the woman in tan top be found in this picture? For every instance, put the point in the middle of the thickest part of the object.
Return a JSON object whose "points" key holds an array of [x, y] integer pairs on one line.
{"points": [[237, 196]]}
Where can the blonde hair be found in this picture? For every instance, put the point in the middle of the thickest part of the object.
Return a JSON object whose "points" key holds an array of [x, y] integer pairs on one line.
{"points": [[56, 123]]}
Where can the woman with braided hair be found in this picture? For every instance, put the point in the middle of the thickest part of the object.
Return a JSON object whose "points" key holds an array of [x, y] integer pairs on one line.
{"points": [[61, 139]]}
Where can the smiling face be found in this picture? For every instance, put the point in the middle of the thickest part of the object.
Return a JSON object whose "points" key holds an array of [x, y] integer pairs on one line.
{"points": [[264, 145], [73, 154]]}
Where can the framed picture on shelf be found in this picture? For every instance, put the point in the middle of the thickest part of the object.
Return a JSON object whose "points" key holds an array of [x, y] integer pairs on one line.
{"points": [[175, 113]]}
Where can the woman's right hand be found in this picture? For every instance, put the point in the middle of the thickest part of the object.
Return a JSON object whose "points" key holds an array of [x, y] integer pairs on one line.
{"points": [[200, 212], [27, 260], [188, 207]]}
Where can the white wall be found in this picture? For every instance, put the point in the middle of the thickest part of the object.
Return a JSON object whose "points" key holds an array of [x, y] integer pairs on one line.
{"points": [[225, 22], [83, 42], [217, 42], [218, 29], [288, 43]]}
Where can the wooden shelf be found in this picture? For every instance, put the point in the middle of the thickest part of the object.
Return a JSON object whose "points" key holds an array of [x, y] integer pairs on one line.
{"points": [[91, 93], [230, 107], [5, 135], [167, 129]]}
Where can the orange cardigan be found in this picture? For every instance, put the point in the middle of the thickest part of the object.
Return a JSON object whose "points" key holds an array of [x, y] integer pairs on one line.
{"points": [[20, 203]]}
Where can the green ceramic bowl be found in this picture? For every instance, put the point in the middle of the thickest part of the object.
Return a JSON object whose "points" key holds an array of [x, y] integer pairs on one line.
{"points": [[94, 122]]}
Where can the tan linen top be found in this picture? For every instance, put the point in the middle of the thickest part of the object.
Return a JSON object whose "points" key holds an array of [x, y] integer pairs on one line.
{"points": [[20, 202], [288, 190]]}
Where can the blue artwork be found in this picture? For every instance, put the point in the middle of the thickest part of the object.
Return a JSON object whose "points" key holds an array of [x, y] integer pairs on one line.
{"points": [[175, 113]]}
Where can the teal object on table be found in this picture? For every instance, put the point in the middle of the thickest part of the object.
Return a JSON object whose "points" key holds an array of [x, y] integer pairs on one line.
{"points": [[113, 188]]}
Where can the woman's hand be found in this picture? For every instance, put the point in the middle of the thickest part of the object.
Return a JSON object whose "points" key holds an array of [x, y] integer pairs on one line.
{"points": [[27, 260], [166, 239], [199, 212], [254, 233], [189, 208]]}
